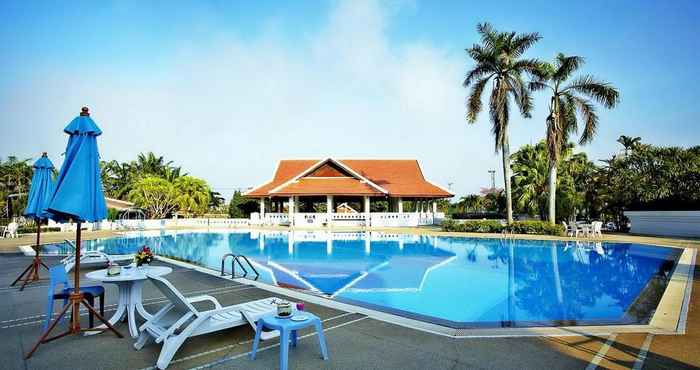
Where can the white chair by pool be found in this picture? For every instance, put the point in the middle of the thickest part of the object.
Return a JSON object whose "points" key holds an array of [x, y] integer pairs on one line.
{"points": [[571, 229], [180, 320], [11, 230], [597, 229], [92, 258]]}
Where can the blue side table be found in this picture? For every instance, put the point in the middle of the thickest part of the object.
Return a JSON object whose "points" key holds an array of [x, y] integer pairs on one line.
{"points": [[288, 330]]}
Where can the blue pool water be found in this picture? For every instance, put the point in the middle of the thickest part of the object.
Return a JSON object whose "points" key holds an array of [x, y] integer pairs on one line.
{"points": [[454, 281]]}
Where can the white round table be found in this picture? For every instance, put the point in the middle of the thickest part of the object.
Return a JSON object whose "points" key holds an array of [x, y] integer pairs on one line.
{"points": [[130, 283]]}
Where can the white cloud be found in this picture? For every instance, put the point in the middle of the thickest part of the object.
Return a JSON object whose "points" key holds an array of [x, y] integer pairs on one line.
{"points": [[228, 109]]}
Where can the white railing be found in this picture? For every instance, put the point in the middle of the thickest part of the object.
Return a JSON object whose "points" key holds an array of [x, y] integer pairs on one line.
{"points": [[378, 219]]}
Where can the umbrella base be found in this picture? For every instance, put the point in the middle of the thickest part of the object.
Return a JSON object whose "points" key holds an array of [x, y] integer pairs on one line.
{"points": [[31, 273], [74, 302]]}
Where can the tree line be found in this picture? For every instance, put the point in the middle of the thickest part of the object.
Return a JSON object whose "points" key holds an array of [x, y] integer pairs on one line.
{"points": [[149, 181], [640, 177], [158, 186]]}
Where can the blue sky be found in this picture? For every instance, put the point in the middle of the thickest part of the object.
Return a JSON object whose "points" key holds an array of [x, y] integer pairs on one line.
{"points": [[225, 89]]}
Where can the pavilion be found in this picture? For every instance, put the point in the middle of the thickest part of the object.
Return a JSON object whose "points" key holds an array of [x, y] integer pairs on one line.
{"points": [[385, 192]]}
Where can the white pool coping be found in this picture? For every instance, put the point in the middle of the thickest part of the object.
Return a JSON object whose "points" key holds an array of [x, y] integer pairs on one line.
{"points": [[670, 317]]}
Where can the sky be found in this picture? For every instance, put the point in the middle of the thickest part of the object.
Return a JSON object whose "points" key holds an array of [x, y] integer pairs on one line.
{"points": [[226, 89]]}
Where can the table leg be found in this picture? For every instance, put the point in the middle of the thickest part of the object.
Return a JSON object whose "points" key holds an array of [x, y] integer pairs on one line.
{"points": [[134, 297], [124, 293], [284, 348], [138, 299], [321, 340], [256, 341], [294, 338]]}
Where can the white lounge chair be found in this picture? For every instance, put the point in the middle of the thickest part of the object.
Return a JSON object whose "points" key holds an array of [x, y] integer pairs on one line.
{"points": [[179, 319], [11, 230], [92, 258]]}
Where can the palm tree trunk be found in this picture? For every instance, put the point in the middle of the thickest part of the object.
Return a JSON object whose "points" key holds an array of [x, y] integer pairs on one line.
{"points": [[505, 151], [552, 192]]}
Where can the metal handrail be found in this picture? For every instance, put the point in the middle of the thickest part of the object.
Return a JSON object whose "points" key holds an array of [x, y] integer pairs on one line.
{"points": [[257, 275], [223, 260], [236, 260]]}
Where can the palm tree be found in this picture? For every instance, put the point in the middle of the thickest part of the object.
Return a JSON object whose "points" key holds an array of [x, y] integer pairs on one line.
{"points": [[530, 179], [629, 142], [568, 100], [498, 59], [472, 202], [192, 195]]}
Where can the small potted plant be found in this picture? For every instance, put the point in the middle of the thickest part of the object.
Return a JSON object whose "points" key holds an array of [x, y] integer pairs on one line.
{"points": [[143, 256]]}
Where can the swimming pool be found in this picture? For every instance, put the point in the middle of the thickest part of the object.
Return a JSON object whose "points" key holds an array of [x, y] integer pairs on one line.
{"points": [[453, 281]]}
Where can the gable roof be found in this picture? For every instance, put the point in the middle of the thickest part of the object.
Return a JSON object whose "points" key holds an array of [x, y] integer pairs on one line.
{"points": [[373, 177]]}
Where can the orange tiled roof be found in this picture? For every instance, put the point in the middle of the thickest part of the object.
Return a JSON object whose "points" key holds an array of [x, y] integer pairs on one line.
{"points": [[398, 178], [328, 186]]}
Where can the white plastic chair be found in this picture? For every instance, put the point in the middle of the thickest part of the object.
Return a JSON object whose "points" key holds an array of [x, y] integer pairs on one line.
{"points": [[597, 229], [179, 319], [92, 258], [571, 230], [11, 230]]}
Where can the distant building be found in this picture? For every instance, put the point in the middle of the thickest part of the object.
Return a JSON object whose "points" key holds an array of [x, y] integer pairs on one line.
{"points": [[349, 181]]}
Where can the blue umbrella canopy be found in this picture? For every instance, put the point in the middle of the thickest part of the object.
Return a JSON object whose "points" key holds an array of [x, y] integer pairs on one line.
{"points": [[78, 195], [41, 190]]}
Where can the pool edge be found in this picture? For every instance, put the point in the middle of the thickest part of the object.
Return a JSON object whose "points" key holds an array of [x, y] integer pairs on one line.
{"points": [[669, 318]]}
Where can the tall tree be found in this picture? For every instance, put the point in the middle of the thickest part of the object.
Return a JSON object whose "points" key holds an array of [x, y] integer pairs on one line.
{"points": [[156, 195], [629, 142], [568, 100], [499, 59], [192, 195]]}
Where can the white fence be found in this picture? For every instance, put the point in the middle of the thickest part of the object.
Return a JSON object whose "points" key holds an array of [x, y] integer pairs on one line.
{"points": [[672, 223], [380, 219]]}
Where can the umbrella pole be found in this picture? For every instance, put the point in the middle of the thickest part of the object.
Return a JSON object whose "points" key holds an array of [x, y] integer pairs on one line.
{"points": [[75, 299], [31, 273]]}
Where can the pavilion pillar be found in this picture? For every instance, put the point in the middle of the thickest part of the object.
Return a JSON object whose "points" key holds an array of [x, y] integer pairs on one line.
{"points": [[367, 216], [262, 208], [329, 205], [290, 210], [434, 207], [400, 205]]}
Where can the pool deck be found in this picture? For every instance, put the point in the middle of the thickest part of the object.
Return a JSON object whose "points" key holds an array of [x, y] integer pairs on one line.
{"points": [[354, 339]]}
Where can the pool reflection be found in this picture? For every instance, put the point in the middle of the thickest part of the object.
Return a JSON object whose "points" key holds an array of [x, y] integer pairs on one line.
{"points": [[461, 282]]}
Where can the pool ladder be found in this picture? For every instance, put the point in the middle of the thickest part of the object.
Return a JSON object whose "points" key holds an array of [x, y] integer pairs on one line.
{"points": [[236, 259]]}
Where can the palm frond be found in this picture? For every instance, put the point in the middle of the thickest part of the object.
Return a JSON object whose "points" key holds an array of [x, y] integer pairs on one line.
{"points": [[521, 93], [474, 100], [537, 85], [478, 72], [590, 118], [522, 42], [566, 66], [489, 36], [602, 92]]}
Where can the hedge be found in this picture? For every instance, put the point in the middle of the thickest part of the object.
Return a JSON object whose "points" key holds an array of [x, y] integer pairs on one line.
{"points": [[492, 226], [32, 229]]}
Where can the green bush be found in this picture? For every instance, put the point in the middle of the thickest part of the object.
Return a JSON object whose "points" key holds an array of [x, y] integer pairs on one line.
{"points": [[535, 228], [32, 229], [492, 226], [473, 226], [112, 214]]}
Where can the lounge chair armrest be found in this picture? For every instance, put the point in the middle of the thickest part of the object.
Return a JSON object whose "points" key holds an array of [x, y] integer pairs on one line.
{"points": [[203, 298]]}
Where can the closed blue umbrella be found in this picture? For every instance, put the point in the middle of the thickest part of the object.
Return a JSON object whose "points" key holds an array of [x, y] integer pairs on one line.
{"points": [[41, 190], [39, 196], [78, 196]]}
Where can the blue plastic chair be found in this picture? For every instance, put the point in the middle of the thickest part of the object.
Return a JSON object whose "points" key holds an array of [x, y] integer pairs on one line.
{"points": [[58, 276]]}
